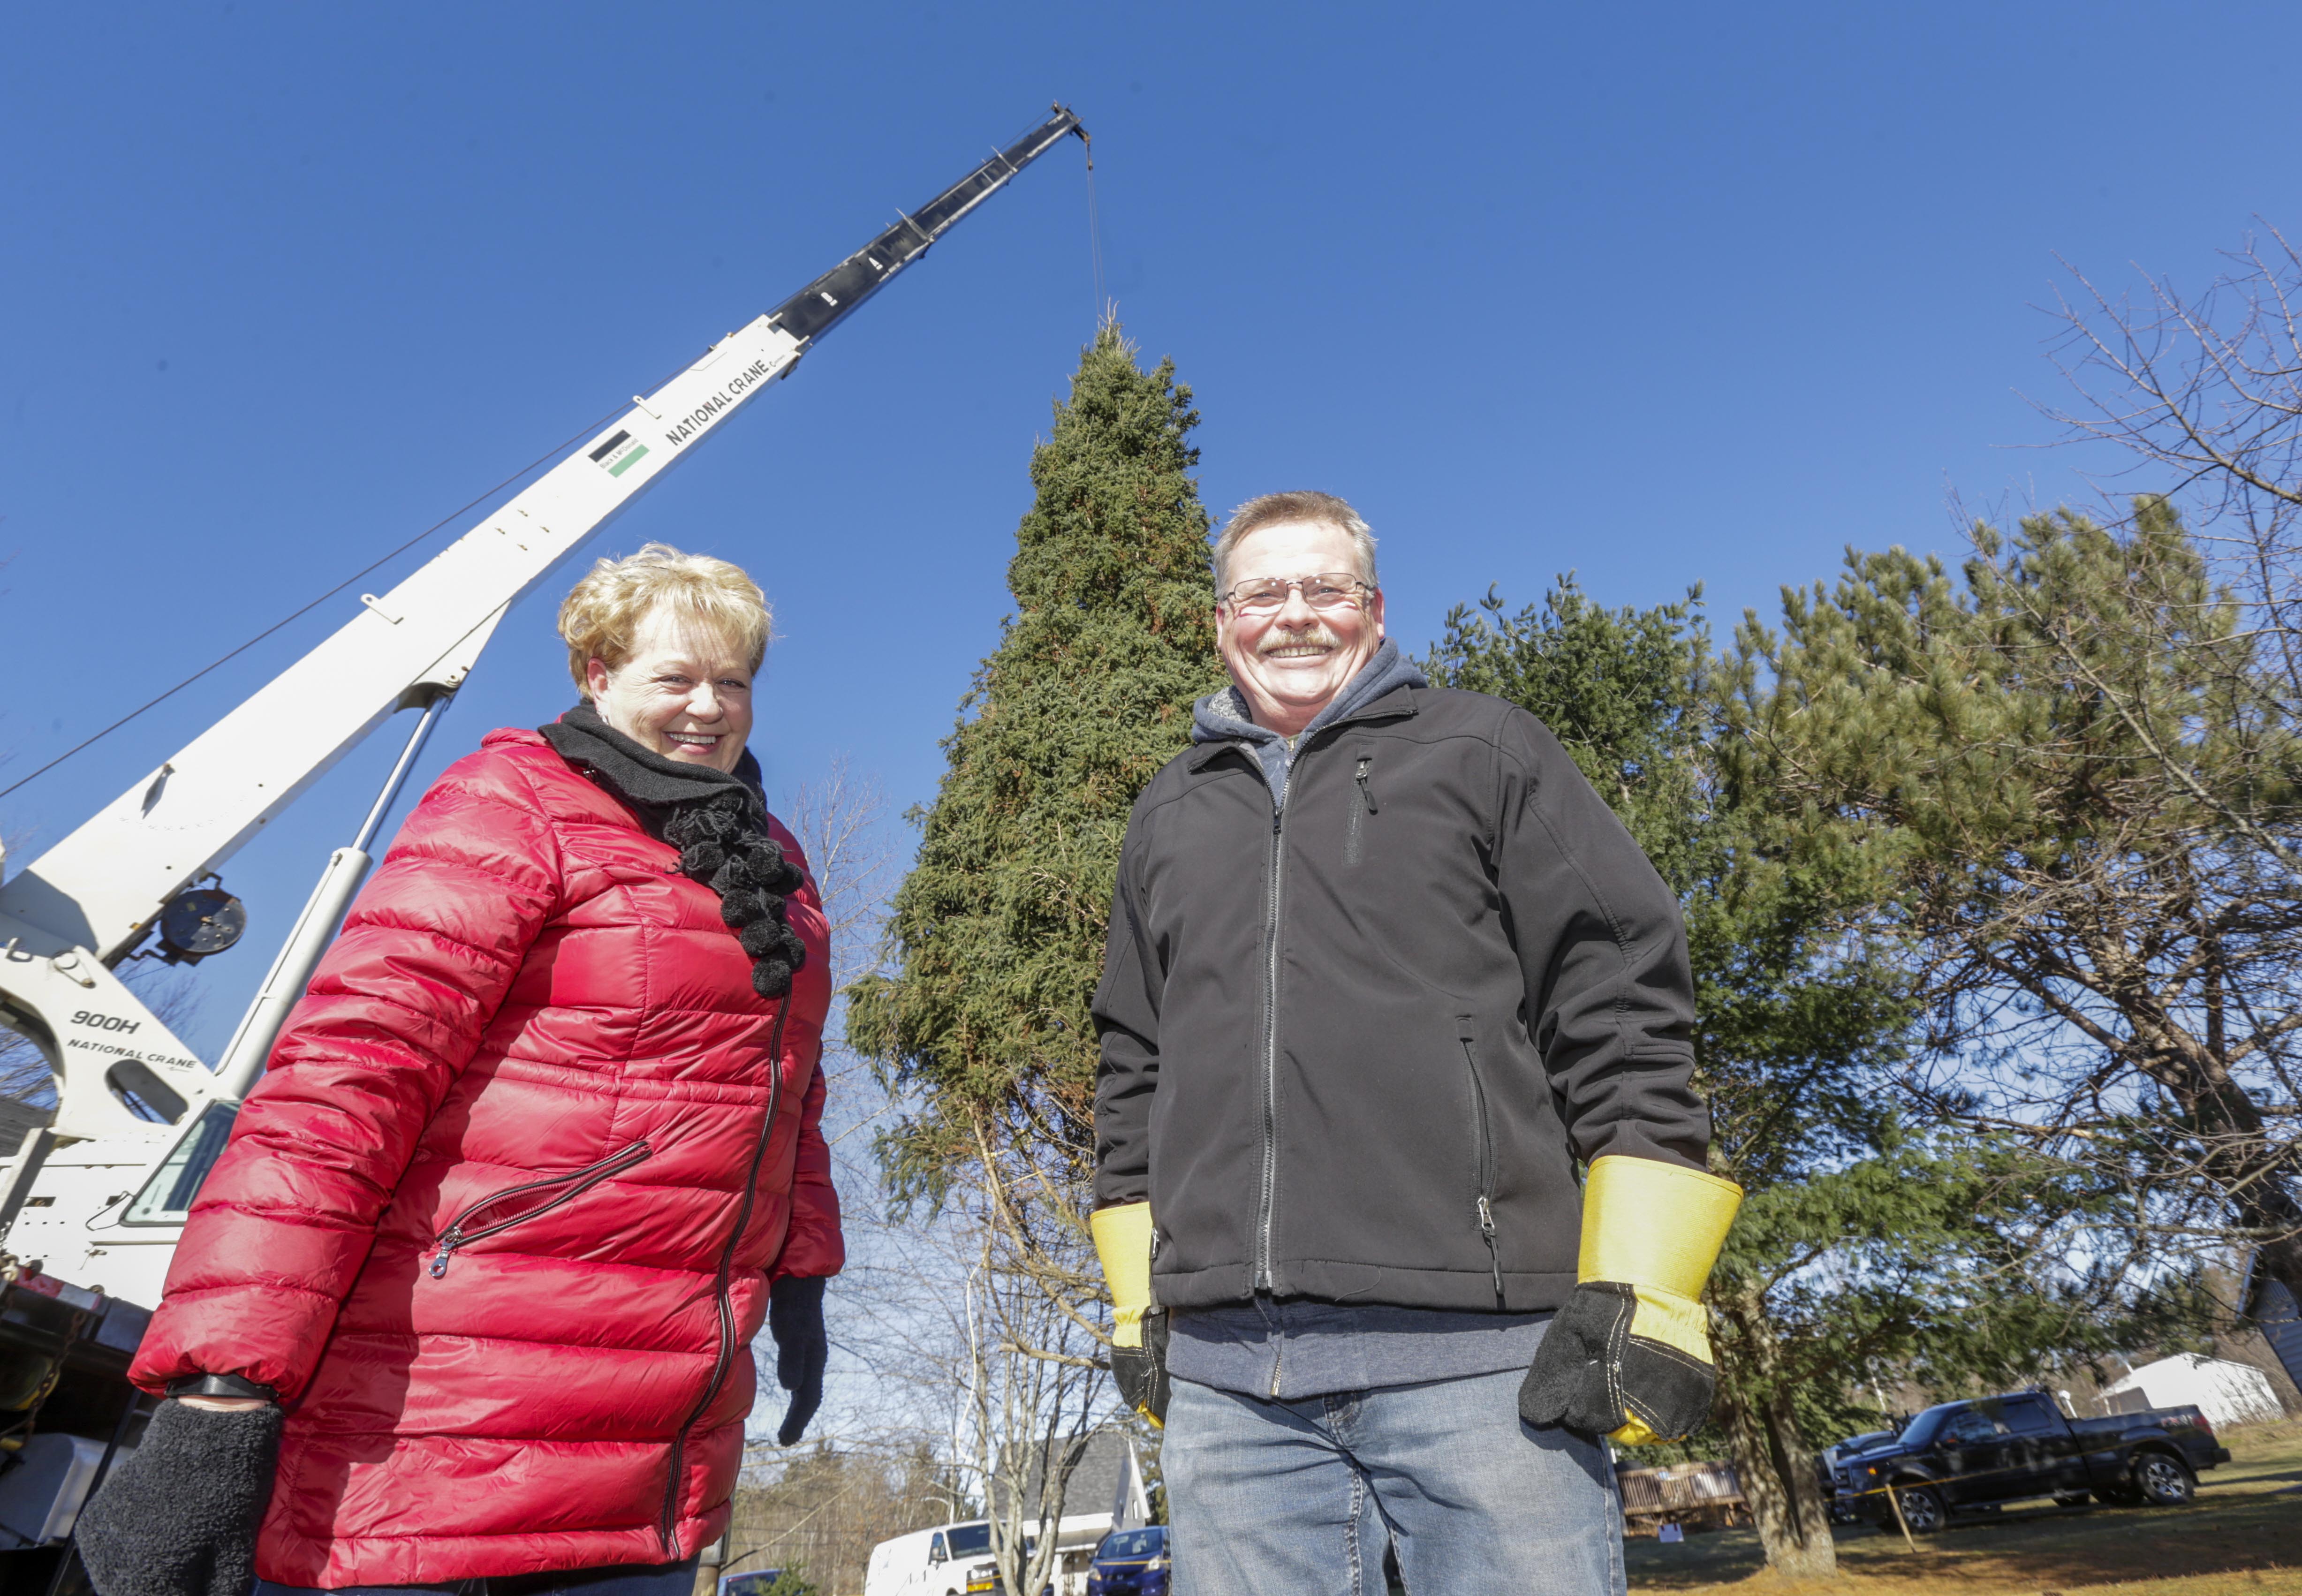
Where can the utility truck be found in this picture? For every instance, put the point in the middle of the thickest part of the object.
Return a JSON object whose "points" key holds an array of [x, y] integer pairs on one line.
{"points": [[93, 1200]]}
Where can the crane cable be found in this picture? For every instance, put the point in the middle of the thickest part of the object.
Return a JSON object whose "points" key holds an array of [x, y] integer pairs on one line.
{"points": [[451, 516], [1104, 310]]}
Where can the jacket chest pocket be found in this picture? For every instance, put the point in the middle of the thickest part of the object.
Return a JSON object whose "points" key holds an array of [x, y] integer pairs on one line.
{"points": [[1363, 806]]}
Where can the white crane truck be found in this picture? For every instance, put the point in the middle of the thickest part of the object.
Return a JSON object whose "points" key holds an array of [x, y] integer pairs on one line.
{"points": [[93, 1202]]}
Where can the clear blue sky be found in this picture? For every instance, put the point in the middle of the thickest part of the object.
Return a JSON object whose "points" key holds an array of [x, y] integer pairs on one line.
{"points": [[1658, 293]]}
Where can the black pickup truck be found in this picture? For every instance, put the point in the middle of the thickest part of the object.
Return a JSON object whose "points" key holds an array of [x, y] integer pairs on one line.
{"points": [[1961, 1457]]}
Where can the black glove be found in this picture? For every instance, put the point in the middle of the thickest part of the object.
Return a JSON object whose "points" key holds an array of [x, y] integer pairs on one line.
{"points": [[1140, 1372], [178, 1515], [796, 1319], [1629, 1356], [1592, 1373]]}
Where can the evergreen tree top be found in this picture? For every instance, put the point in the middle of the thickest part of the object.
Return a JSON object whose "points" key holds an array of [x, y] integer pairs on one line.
{"points": [[997, 937]]}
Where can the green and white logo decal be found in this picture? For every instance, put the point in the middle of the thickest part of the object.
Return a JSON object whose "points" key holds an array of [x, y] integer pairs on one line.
{"points": [[620, 453]]}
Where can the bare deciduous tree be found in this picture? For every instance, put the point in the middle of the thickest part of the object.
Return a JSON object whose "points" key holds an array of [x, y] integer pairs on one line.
{"points": [[838, 822], [1035, 1389], [2203, 394]]}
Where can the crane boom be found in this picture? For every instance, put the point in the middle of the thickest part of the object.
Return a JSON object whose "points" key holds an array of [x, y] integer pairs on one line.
{"points": [[822, 304], [101, 887]]}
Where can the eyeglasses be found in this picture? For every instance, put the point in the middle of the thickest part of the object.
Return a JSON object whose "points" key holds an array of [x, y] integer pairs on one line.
{"points": [[1330, 589]]}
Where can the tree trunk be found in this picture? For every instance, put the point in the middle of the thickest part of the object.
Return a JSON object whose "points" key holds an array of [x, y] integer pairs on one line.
{"points": [[2280, 1255], [2244, 1163], [1771, 1458]]}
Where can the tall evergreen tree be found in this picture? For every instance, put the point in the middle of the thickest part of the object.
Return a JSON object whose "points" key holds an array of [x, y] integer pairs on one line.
{"points": [[996, 936]]}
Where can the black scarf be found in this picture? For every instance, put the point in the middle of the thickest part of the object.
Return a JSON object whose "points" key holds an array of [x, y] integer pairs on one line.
{"points": [[718, 822]]}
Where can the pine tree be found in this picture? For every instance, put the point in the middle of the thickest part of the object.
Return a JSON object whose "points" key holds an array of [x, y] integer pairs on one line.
{"points": [[1864, 1247], [2071, 769], [997, 932]]}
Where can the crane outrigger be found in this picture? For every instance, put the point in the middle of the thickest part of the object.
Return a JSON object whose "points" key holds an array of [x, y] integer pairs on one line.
{"points": [[92, 1204]]}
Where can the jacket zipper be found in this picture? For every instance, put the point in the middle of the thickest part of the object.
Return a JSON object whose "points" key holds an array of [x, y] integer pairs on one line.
{"points": [[668, 1527], [1487, 1165], [1351, 846], [1270, 1044], [1263, 1275], [577, 1181]]}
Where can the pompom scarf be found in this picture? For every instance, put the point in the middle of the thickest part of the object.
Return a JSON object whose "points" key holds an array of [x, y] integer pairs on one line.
{"points": [[718, 822]]}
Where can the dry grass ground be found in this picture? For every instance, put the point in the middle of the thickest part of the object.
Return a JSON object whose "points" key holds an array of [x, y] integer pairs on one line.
{"points": [[2243, 1537]]}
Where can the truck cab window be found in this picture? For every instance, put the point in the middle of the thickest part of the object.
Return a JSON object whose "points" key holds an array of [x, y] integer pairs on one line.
{"points": [[2031, 1417], [168, 1194], [1970, 1429]]}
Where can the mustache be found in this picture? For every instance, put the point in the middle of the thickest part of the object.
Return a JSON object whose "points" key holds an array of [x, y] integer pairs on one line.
{"points": [[1316, 635]]}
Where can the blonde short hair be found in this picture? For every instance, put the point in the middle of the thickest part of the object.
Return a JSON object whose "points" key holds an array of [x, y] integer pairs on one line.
{"points": [[601, 617], [1276, 510]]}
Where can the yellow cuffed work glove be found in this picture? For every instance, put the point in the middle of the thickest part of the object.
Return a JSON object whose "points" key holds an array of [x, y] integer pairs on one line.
{"points": [[1138, 1329], [1629, 1356]]}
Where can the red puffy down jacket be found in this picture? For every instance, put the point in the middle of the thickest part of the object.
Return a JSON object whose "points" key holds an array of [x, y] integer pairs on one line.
{"points": [[535, 1029]]}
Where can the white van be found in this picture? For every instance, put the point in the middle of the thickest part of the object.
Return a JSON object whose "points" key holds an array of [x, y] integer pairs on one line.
{"points": [[937, 1562], [913, 1564]]}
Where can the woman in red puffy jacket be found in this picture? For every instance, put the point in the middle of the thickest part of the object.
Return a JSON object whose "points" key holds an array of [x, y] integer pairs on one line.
{"points": [[471, 1293]]}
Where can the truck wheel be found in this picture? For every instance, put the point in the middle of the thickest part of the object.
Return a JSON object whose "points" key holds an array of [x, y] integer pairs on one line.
{"points": [[1922, 1509], [2162, 1481]]}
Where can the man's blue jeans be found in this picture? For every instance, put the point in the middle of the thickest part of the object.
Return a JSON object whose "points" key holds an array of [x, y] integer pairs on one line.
{"points": [[1296, 1498]]}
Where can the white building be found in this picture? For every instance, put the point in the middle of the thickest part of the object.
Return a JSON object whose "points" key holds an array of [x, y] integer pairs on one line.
{"points": [[2226, 1392]]}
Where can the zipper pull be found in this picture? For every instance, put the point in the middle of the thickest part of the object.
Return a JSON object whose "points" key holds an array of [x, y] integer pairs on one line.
{"points": [[1365, 790], [1494, 1253], [451, 1238]]}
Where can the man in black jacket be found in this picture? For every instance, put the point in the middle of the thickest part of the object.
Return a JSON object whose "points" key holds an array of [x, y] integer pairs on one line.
{"points": [[1387, 986]]}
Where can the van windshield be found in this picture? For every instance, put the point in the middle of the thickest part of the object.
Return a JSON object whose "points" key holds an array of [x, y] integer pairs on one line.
{"points": [[968, 1540]]}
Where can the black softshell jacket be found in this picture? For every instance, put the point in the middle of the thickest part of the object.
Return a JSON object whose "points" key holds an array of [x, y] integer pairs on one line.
{"points": [[1354, 1048]]}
